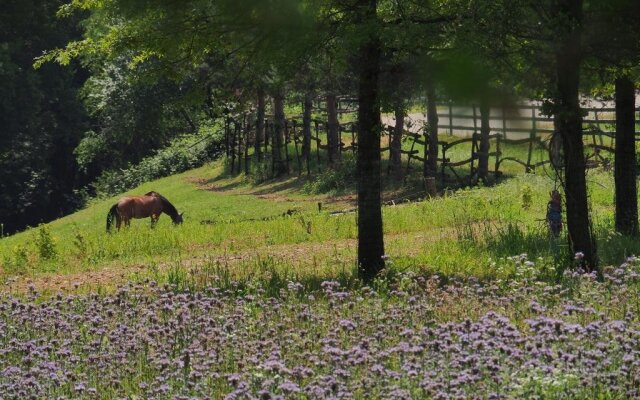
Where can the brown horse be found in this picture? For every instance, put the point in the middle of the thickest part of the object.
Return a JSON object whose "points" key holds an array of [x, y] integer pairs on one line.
{"points": [[151, 205]]}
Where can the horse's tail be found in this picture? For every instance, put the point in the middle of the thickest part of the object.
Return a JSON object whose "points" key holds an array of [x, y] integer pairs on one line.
{"points": [[111, 215]]}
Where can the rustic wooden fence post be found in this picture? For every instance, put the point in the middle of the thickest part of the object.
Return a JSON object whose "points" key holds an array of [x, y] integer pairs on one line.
{"points": [[474, 143], [317, 145], [353, 138], [246, 145], [295, 145], [286, 146], [504, 122], [443, 164], [532, 139], [474, 150], [389, 144], [450, 119], [498, 154]]}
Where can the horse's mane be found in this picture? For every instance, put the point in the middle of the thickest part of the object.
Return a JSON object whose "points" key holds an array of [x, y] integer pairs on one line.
{"points": [[165, 203]]}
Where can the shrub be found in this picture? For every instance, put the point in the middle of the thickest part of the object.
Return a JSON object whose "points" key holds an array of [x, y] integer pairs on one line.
{"points": [[526, 197], [45, 243], [184, 153], [260, 171], [336, 179], [16, 263]]}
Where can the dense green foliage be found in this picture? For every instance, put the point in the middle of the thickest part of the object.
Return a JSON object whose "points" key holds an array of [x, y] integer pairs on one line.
{"points": [[132, 118], [184, 153], [41, 118], [63, 127]]}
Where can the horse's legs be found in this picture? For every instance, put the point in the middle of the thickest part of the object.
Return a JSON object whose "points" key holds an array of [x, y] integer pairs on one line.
{"points": [[154, 220], [118, 221], [127, 222]]}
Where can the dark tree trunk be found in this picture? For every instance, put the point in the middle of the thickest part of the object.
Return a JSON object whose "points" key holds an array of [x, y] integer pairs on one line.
{"points": [[396, 142], [279, 167], [626, 193], [333, 133], [234, 138], [370, 236], [306, 126], [431, 150], [260, 113], [568, 123], [485, 131]]}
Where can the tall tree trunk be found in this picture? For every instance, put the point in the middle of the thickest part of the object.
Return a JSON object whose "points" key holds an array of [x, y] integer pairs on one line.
{"points": [[568, 123], [431, 151], [333, 134], [396, 141], [485, 131], [626, 193], [306, 126], [260, 113], [370, 236], [279, 167]]}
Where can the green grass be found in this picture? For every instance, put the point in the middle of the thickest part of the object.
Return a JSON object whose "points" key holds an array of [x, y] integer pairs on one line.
{"points": [[241, 229]]}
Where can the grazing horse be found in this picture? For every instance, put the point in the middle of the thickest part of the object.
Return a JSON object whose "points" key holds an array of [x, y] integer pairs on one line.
{"points": [[152, 204]]}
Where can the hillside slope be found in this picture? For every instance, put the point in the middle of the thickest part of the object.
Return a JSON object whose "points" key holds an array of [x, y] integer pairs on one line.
{"points": [[234, 229]]}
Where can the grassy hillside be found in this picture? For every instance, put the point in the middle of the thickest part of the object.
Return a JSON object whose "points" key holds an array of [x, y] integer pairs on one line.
{"points": [[236, 230], [276, 312]]}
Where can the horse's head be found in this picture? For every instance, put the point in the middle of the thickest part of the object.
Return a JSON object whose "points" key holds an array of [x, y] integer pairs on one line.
{"points": [[178, 219]]}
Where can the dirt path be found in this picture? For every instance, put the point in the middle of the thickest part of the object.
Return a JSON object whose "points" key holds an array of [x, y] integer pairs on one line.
{"points": [[335, 252], [110, 276]]}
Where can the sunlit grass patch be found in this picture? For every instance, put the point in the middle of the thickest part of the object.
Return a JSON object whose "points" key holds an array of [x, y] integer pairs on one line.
{"points": [[469, 232]]}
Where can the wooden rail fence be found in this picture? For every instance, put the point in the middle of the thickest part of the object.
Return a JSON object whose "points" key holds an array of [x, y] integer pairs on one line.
{"points": [[598, 132]]}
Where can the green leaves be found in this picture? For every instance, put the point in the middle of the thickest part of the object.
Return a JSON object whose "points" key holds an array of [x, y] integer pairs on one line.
{"points": [[64, 56]]}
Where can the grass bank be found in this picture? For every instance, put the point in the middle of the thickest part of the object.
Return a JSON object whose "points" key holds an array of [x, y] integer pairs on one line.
{"points": [[235, 229]]}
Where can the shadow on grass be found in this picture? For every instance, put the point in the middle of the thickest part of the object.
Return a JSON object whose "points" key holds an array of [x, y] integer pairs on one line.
{"points": [[278, 185]]}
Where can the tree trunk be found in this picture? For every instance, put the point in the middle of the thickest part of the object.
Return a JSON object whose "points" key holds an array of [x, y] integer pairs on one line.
{"points": [[396, 142], [333, 134], [485, 131], [260, 113], [568, 124], [234, 138], [278, 134], [626, 193], [431, 150], [306, 126], [370, 236]]}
